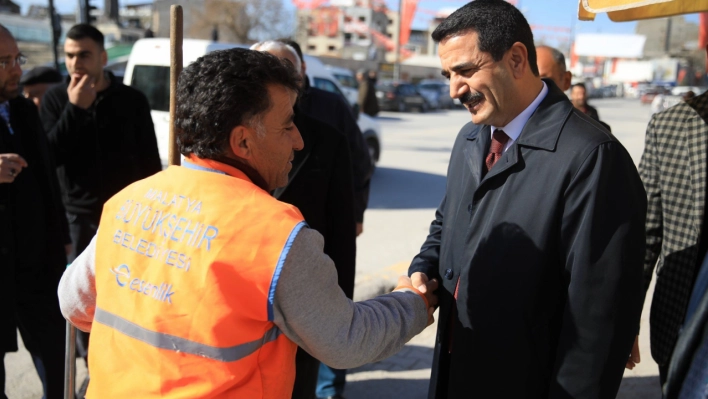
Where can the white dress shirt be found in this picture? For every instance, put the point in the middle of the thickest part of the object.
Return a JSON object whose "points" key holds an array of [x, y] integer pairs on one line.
{"points": [[513, 128]]}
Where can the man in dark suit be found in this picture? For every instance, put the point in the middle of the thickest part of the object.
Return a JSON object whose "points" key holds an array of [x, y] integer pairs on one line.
{"points": [[320, 185], [34, 235], [673, 169], [538, 242]]}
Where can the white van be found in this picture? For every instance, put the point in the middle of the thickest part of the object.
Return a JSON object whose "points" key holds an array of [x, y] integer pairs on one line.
{"points": [[348, 82], [148, 70]]}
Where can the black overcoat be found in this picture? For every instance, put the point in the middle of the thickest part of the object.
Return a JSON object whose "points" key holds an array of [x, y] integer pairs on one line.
{"points": [[320, 185], [36, 280], [548, 249]]}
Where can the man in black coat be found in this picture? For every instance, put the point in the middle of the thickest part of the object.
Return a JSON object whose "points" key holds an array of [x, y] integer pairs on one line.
{"points": [[334, 110], [320, 185], [539, 241], [33, 231]]}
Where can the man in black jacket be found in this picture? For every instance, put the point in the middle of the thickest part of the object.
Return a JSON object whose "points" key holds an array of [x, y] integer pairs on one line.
{"points": [[334, 110], [320, 185], [34, 236], [100, 133]]}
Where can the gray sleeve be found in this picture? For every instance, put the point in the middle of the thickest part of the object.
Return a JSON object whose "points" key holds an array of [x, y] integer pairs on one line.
{"points": [[312, 310], [77, 289]]}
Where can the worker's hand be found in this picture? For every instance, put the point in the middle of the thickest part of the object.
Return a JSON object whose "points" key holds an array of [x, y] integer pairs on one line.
{"points": [[430, 297], [634, 357], [10, 166], [82, 93], [359, 229]]}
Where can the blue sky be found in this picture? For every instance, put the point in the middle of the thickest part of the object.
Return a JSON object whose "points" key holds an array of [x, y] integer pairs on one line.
{"points": [[548, 13]]}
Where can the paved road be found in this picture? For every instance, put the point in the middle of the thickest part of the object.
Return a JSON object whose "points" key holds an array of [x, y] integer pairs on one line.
{"points": [[406, 189]]}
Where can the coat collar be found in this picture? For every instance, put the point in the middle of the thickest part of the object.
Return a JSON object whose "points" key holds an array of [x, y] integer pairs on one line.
{"points": [[540, 132], [544, 127]]}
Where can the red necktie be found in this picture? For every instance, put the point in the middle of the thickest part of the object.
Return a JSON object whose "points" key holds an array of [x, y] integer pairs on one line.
{"points": [[499, 140]]}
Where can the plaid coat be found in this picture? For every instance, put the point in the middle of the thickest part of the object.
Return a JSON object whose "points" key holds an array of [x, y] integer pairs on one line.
{"points": [[673, 169]]}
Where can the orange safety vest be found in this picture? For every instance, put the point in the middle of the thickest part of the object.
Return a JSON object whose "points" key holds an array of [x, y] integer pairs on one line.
{"points": [[187, 263]]}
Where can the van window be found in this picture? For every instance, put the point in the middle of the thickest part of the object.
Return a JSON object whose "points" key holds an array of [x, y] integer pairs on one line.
{"points": [[327, 85], [347, 80], [154, 82]]}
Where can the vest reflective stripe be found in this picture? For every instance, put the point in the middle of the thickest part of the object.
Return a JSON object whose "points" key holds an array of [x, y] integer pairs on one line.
{"points": [[279, 267], [177, 344]]}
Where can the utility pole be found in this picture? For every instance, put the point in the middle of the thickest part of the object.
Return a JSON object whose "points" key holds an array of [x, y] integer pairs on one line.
{"points": [[55, 22], [397, 64], [84, 12]]}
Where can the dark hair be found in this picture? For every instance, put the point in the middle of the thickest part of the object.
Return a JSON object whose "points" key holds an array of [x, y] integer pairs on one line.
{"points": [[557, 56], [294, 45], [498, 25], [579, 85], [222, 90], [84, 31]]}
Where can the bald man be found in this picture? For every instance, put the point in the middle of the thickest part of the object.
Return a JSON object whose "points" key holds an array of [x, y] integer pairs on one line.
{"points": [[551, 65], [320, 185]]}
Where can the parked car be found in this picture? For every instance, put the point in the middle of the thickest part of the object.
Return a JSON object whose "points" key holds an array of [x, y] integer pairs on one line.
{"points": [[401, 97], [439, 90], [347, 82], [148, 70]]}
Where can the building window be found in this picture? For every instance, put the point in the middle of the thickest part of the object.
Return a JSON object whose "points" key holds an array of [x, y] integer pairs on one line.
{"points": [[311, 47], [347, 37], [362, 19], [331, 48], [362, 36]]}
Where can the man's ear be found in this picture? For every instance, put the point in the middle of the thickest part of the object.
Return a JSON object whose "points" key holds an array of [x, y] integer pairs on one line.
{"points": [[241, 142], [567, 78], [518, 59], [104, 58]]}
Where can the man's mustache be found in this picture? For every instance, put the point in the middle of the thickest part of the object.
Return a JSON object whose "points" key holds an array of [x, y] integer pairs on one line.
{"points": [[470, 97]]}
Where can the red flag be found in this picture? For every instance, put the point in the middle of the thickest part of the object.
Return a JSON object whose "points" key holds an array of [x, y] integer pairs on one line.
{"points": [[703, 30], [407, 15]]}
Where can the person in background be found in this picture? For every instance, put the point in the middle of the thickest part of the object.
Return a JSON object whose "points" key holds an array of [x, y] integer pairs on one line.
{"points": [[245, 280], [100, 134], [367, 101], [34, 236], [539, 240], [579, 97], [673, 170], [320, 186], [334, 110], [551, 65], [37, 81]]}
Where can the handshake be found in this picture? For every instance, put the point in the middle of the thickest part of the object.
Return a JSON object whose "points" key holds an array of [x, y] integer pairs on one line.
{"points": [[419, 283]]}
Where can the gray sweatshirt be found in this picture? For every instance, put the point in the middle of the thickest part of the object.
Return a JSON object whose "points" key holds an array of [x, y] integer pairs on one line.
{"points": [[309, 307]]}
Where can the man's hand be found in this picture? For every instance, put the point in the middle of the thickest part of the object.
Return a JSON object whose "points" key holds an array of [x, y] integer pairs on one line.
{"points": [[10, 166], [634, 357], [82, 93], [359, 229], [430, 297]]}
